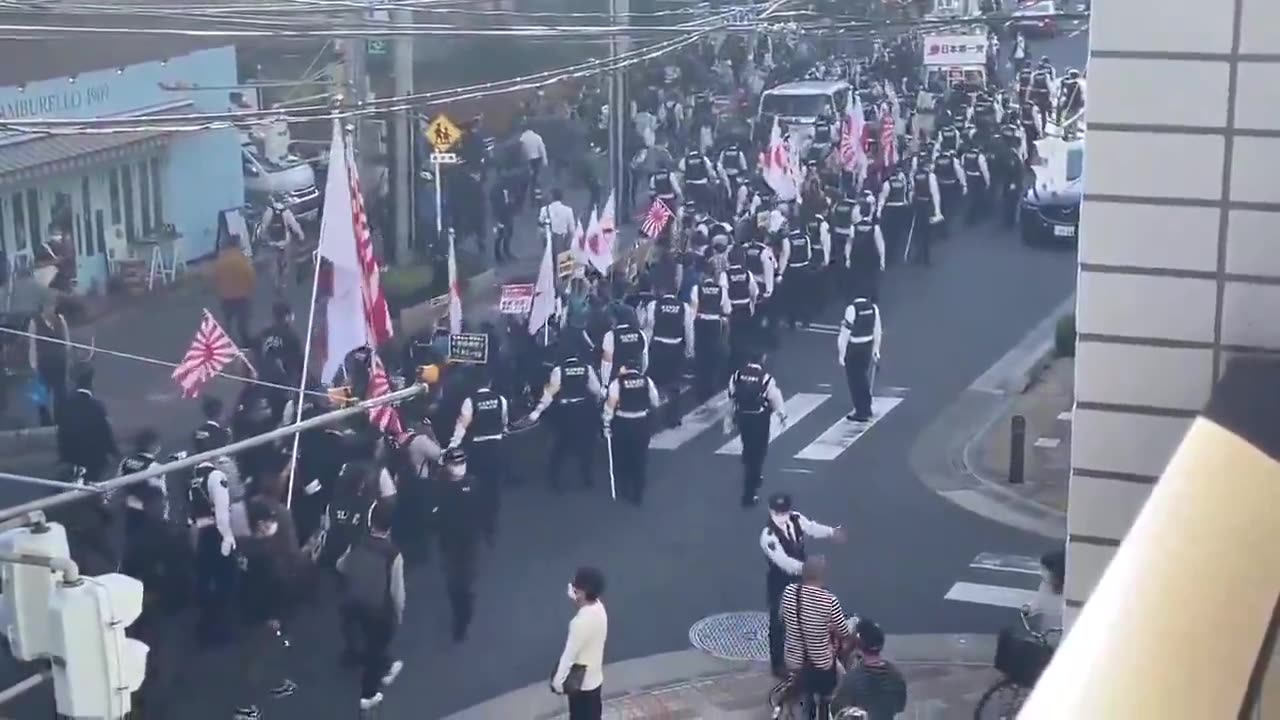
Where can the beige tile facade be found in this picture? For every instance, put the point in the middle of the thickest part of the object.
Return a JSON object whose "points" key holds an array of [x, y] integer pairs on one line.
{"points": [[1179, 247]]}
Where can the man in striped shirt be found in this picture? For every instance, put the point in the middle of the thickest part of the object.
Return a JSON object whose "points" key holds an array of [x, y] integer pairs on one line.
{"points": [[813, 621]]}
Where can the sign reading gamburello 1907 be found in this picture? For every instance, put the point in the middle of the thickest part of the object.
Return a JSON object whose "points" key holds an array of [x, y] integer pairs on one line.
{"points": [[51, 104]]}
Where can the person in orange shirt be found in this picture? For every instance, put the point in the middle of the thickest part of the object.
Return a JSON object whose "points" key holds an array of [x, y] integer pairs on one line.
{"points": [[234, 279]]}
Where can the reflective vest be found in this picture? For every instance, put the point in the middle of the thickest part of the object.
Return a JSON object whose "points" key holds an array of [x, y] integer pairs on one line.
{"points": [[628, 346], [750, 385], [897, 190], [817, 255], [633, 394], [755, 263], [662, 184], [799, 243], [695, 168], [863, 327], [923, 189], [739, 286], [709, 293], [486, 416], [946, 171], [574, 385], [842, 217], [668, 321], [972, 166]]}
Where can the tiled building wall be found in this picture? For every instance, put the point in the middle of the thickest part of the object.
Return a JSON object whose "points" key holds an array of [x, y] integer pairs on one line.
{"points": [[1180, 242]]}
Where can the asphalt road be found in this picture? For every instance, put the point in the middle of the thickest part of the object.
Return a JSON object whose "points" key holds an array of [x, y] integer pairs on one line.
{"points": [[691, 551]]}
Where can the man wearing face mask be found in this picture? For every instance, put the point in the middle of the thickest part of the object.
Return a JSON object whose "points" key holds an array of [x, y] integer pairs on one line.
{"points": [[579, 674], [782, 541], [456, 520]]}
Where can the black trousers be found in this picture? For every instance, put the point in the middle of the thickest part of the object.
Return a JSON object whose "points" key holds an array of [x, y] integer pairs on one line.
{"points": [[484, 458], [754, 429], [586, 705], [775, 582], [630, 441], [574, 430], [235, 312], [857, 372], [951, 196], [215, 586], [895, 223], [708, 359], [820, 684], [459, 554], [794, 295], [502, 240], [666, 369], [743, 337], [920, 238], [979, 197], [377, 631]]}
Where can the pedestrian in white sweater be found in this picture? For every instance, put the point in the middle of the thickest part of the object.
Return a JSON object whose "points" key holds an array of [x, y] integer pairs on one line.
{"points": [[580, 674]]}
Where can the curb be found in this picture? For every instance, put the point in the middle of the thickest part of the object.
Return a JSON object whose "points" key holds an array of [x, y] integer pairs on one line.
{"points": [[667, 671], [20, 440]]}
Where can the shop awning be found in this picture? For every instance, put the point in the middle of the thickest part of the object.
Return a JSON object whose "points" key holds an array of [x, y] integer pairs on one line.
{"points": [[59, 154]]}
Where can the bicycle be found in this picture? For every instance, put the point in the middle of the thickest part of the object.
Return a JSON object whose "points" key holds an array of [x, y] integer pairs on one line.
{"points": [[1020, 660]]}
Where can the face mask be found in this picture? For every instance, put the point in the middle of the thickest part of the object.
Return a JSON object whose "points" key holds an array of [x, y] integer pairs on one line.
{"points": [[573, 594], [458, 471], [779, 518], [269, 529]]}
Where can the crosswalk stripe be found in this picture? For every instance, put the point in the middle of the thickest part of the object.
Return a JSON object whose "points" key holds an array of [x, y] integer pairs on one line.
{"points": [[996, 595], [702, 417], [844, 433], [797, 406], [1006, 563]]}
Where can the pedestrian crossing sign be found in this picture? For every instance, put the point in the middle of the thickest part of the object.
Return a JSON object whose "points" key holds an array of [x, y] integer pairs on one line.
{"points": [[442, 133]]}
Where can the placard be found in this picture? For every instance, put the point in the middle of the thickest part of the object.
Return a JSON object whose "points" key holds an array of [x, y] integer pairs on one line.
{"points": [[955, 50], [469, 348], [517, 298], [565, 264]]}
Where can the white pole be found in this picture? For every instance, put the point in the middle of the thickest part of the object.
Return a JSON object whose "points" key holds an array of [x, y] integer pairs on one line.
{"points": [[613, 485], [435, 163]]}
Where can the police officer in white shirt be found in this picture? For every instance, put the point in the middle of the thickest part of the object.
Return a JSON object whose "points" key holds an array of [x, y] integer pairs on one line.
{"points": [[209, 517], [710, 308], [482, 421], [624, 344], [672, 341], [630, 399], [741, 291], [782, 541], [756, 397], [858, 351], [570, 392], [558, 218]]}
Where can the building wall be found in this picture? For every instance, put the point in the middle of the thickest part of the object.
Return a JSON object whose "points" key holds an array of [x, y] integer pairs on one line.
{"points": [[1179, 253]]}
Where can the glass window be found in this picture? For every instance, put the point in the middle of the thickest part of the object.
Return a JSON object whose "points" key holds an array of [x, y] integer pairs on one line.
{"points": [[33, 215], [19, 224], [100, 228], [86, 214], [157, 195], [126, 184], [796, 105], [115, 196], [1075, 164], [144, 196]]}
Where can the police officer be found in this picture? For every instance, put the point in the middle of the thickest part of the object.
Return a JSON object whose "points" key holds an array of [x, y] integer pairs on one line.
{"points": [[742, 293], [1032, 128], [570, 394], [630, 399], [761, 262], [858, 351], [865, 259], [698, 173], [819, 233], [1024, 84], [926, 210], [734, 168], [951, 184], [1070, 97], [894, 211], [948, 139], [710, 308], [210, 434], [782, 541], [1008, 170], [153, 492], [209, 517], [665, 186], [840, 220], [482, 422], [456, 520], [794, 276], [756, 398], [672, 340], [985, 115], [977, 181], [1041, 91], [822, 140], [623, 344]]}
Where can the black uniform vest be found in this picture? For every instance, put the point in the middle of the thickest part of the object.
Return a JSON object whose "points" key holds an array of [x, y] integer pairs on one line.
{"points": [[199, 504], [574, 385], [709, 293], [633, 392], [486, 415], [628, 346], [755, 263], [799, 243], [897, 190], [749, 387], [864, 322], [695, 168], [792, 548], [924, 190], [972, 167], [668, 319], [842, 215], [946, 171], [739, 286]]}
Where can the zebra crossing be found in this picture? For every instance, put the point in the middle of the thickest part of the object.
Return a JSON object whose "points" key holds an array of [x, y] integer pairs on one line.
{"points": [[999, 580], [826, 443]]}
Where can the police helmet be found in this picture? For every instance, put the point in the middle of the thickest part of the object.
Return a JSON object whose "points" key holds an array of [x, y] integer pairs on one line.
{"points": [[737, 255], [1044, 61], [780, 502], [1073, 74]]}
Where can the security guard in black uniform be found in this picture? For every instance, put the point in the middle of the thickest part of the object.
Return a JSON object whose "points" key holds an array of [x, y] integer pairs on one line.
{"points": [[866, 252], [756, 398], [149, 493], [482, 422], [209, 517], [795, 276], [742, 292], [821, 143], [782, 541], [697, 178], [926, 210], [664, 186], [1008, 170], [710, 307], [571, 393], [624, 344], [1032, 130], [819, 233], [1024, 84], [840, 220], [1041, 92], [951, 186], [948, 139], [629, 401], [858, 352], [672, 340], [977, 177], [456, 520], [894, 212]]}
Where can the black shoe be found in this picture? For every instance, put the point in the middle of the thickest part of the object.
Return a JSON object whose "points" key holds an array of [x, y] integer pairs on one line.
{"points": [[459, 635], [858, 417]]}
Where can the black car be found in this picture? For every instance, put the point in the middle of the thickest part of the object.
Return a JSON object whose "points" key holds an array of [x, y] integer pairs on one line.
{"points": [[1050, 211]]}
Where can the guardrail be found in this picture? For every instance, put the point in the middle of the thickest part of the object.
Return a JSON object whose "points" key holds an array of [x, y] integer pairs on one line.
{"points": [[1183, 622]]}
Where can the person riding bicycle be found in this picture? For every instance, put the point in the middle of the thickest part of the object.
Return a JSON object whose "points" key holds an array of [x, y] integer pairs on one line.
{"points": [[874, 685], [1044, 613], [815, 627]]}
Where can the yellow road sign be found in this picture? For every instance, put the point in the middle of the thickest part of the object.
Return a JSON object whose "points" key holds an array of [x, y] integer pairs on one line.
{"points": [[443, 134]]}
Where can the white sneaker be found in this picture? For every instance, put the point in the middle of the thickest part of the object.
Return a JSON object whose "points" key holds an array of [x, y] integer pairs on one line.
{"points": [[393, 672], [371, 703]]}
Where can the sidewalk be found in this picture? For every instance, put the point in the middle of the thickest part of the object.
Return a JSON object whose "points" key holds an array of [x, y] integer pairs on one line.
{"points": [[1046, 406], [946, 675]]}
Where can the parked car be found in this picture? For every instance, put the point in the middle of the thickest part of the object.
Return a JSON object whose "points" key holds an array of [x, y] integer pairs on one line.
{"points": [[1050, 211], [1035, 19], [292, 178]]}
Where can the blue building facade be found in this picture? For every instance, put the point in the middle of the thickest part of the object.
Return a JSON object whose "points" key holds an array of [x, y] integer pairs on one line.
{"points": [[110, 197]]}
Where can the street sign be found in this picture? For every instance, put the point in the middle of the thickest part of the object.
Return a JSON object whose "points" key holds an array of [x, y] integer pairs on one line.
{"points": [[444, 158], [516, 299], [442, 133], [469, 348], [378, 47]]}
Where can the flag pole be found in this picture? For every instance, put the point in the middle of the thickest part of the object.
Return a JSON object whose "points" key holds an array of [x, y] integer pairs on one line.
{"points": [[306, 353], [546, 327]]}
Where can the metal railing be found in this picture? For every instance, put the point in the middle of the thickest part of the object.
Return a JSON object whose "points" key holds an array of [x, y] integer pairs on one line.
{"points": [[1183, 622]]}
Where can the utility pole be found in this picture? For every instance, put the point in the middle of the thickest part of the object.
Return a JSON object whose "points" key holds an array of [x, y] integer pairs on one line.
{"points": [[402, 146], [619, 113]]}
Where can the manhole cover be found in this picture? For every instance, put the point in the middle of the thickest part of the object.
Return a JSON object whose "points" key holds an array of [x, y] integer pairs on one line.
{"points": [[733, 636]]}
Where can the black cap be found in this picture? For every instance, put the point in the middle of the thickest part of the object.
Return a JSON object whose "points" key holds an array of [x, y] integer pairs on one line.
{"points": [[780, 502], [455, 456], [870, 636]]}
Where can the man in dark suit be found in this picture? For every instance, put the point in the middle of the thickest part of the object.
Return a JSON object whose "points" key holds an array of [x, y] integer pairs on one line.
{"points": [[85, 437]]}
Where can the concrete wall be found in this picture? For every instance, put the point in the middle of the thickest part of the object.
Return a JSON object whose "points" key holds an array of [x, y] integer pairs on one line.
{"points": [[1180, 243]]}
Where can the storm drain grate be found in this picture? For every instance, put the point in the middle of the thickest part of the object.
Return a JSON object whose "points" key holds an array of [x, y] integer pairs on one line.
{"points": [[733, 636]]}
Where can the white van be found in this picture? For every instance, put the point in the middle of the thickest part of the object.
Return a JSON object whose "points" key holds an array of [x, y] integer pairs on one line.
{"points": [[797, 106]]}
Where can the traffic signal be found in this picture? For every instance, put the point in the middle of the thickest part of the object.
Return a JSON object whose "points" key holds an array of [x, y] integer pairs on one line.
{"points": [[96, 669], [28, 589]]}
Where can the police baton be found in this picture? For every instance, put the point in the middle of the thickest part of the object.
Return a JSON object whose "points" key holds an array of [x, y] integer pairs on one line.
{"points": [[871, 376], [906, 252], [613, 484]]}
